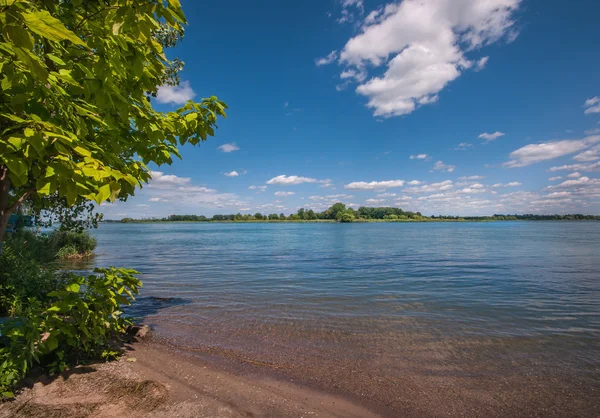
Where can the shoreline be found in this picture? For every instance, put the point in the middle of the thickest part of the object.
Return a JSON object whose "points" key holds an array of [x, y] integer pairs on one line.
{"points": [[159, 378], [156, 380]]}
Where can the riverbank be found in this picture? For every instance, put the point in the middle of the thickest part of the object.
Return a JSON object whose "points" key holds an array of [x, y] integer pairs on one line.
{"points": [[156, 380]]}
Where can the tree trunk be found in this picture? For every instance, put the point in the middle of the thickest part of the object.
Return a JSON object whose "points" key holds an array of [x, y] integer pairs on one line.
{"points": [[5, 209]]}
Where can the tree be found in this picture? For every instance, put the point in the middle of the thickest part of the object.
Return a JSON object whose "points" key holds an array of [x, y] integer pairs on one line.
{"points": [[332, 212], [311, 215], [346, 216], [273, 217], [258, 216], [282, 216], [76, 117]]}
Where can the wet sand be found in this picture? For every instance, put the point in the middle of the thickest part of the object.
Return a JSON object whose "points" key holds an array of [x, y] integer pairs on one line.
{"points": [[153, 380], [158, 379]]}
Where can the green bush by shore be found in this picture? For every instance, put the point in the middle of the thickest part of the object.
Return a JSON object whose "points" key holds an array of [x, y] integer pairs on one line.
{"points": [[52, 318]]}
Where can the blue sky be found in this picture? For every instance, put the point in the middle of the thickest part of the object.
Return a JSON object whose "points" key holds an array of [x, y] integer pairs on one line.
{"points": [[439, 106]]}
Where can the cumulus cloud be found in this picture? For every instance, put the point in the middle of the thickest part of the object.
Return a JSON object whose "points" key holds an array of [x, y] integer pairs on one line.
{"points": [[589, 155], [432, 187], [580, 182], [574, 175], [228, 147], [259, 188], [441, 166], [511, 184], [491, 137], [175, 94], [374, 185], [160, 180], [555, 178], [419, 157], [424, 46], [592, 105], [331, 57], [284, 193], [284, 180], [232, 174], [386, 195], [535, 153], [577, 167], [464, 178]]}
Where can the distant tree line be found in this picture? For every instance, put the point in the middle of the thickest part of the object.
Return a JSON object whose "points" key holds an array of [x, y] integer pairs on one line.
{"points": [[339, 212]]}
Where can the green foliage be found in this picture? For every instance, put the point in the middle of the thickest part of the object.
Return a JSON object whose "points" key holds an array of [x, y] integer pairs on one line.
{"points": [[346, 216], [69, 243], [76, 323], [76, 116]]}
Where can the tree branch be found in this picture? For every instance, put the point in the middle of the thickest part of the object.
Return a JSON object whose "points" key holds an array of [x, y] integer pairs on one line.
{"points": [[21, 200]]}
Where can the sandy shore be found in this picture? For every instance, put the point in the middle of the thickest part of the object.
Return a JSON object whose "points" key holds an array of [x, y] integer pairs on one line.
{"points": [[157, 381]]}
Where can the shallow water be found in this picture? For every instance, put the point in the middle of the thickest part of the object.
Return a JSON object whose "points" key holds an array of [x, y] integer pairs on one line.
{"points": [[404, 304]]}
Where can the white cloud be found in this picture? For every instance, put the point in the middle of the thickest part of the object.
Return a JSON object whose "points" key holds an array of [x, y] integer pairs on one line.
{"points": [[284, 193], [386, 195], [423, 44], [374, 185], [574, 175], [593, 131], [441, 166], [592, 105], [481, 63], [577, 167], [228, 147], [156, 199], [331, 57], [232, 174], [373, 201], [555, 178], [463, 146], [471, 178], [160, 180], [347, 12], [419, 157], [175, 94], [589, 155], [534, 153], [580, 182], [511, 184], [259, 188], [491, 137], [414, 182], [432, 187], [284, 180]]}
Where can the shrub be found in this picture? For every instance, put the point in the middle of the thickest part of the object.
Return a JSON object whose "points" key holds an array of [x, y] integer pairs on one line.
{"points": [[76, 323], [70, 243]]}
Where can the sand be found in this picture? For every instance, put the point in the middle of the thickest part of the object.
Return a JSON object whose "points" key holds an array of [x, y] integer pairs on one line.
{"points": [[157, 381]]}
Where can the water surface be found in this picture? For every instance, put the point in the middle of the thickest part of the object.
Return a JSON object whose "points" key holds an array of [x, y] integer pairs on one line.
{"points": [[476, 312]]}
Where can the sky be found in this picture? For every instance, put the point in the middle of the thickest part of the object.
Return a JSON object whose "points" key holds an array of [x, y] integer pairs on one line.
{"points": [[453, 107]]}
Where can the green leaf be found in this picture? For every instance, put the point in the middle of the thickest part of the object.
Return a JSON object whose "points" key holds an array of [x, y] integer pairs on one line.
{"points": [[73, 287], [49, 27], [7, 394], [103, 194], [34, 64]]}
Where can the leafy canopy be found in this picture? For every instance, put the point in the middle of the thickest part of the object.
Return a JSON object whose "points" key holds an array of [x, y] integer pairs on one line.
{"points": [[76, 84]]}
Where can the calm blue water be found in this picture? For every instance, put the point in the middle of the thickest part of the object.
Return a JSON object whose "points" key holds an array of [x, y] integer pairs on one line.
{"points": [[503, 278], [496, 309]]}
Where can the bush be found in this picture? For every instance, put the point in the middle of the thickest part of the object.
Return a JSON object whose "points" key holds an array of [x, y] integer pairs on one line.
{"points": [[76, 323], [70, 243]]}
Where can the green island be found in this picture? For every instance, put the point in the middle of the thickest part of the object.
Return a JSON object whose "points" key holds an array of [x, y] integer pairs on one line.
{"points": [[340, 213]]}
